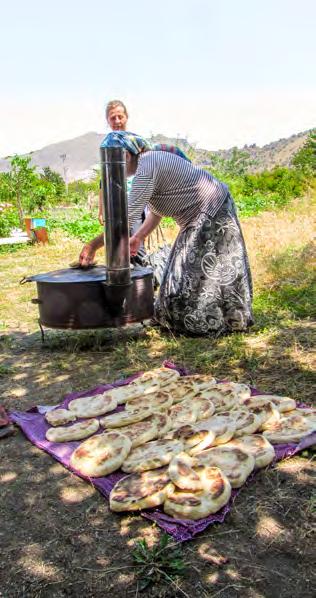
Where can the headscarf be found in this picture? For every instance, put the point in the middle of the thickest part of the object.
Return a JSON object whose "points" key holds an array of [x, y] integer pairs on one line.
{"points": [[173, 149], [136, 144]]}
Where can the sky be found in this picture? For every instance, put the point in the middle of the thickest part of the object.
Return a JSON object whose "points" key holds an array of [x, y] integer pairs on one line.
{"points": [[218, 72]]}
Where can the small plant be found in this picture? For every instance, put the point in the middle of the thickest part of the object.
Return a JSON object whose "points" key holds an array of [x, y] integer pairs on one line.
{"points": [[6, 370], [164, 562]]}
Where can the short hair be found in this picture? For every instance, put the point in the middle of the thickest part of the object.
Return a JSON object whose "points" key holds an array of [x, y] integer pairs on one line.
{"points": [[113, 104]]}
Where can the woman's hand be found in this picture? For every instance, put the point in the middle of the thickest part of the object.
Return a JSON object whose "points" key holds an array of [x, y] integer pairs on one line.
{"points": [[87, 255], [134, 245]]}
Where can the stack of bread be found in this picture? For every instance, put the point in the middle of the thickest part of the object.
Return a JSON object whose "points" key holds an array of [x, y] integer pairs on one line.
{"points": [[184, 442]]}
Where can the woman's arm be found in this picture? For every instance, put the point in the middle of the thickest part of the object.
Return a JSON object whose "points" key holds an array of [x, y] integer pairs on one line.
{"points": [[88, 251], [150, 223]]}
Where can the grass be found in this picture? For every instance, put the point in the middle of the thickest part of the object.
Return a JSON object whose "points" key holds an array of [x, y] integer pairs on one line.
{"points": [[71, 538]]}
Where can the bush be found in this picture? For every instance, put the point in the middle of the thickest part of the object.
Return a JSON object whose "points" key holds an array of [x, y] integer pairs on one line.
{"points": [[84, 227], [9, 219]]}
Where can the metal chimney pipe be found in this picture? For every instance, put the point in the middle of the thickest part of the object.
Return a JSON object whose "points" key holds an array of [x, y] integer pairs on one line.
{"points": [[116, 231]]}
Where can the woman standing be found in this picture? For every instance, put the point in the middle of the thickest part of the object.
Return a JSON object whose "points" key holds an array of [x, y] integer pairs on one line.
{"points": [[206, 287], [116, 117]]}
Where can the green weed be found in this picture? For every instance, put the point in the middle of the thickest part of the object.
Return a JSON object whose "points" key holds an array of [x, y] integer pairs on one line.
{"points": [[162, 563], [6, 370]]}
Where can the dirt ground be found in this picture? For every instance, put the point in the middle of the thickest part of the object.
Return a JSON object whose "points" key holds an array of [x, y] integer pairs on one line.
{"points": [[57, 535]]}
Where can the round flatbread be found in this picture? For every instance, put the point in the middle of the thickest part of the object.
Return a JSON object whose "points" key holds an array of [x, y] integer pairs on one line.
{"points": [[183, 413], [141, 432], [76, 431], [182, 389], [236, 464], [222, 398], [188, 476], [266, 412], [195, 505], [121, 394], [289, 429], [183, 474], [283, 404], [157, 401], [92, 406], [156, 378], [152, 455], [124, 418], [100, 455], [241, 391], [163, 422], [205, 407], [246, 422], [141, 490], [308, 413], [257, 446], [223, 427], [200, 381], [191, 436], [59, 417]]}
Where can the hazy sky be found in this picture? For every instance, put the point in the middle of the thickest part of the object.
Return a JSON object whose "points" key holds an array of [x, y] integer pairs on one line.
{"points": [[220, 72]]}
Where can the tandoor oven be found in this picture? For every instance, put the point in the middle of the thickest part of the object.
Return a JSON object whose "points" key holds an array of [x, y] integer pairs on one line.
{"points": [[104, 296]]}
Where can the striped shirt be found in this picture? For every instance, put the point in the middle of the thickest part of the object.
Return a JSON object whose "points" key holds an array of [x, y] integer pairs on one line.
{"points": [[172, 186]]}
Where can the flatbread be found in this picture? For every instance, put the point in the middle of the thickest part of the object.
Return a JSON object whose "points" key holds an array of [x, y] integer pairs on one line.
{"points": [[223, 427], [183, 474], [200, 381], [157, 377], [125, 393], [257, 446], [246, 422], [236, 464], [195, 505], [236, 390], [141, 432], [205, 407], [100, 455], [59, 417], [283, 404], [152, 455], [309, 413], [124, 418], [266, 411], [92, 406], [157, 401], [289, 429], [141, 490], [183, 413], [222, 398], [76, 431], [186, 475], [182, 389], [163, 422], [189, 435]]}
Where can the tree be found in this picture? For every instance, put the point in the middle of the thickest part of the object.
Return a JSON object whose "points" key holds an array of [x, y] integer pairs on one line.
{"points": [[305, 159], [55, 178], [24, 188], [21, 181], [236, 165]]}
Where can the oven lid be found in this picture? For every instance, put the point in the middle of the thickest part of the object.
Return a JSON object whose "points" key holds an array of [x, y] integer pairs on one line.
{"points": [[79, 275]]}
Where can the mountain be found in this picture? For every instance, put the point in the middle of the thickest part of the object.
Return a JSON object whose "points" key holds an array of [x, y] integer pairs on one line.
{"points": [[76, 158]]}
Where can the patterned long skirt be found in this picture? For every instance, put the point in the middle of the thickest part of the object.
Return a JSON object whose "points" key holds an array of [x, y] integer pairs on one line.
{"points": [[206, 287]]}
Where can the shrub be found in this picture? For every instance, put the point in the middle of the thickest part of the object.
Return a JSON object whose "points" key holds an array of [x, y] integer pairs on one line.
{"points": [[84, 227], [9, 219]]}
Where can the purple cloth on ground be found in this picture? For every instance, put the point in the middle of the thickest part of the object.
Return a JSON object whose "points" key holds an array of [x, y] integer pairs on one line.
{"points": [[34, 426]]}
